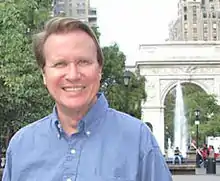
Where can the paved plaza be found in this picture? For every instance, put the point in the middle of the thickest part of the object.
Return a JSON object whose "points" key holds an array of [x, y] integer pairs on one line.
{"points": [[196, 177], [200, 176]]}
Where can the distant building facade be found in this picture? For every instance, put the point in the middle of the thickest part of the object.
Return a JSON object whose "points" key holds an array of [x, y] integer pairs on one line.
{"points": [[197, 20], [79, 9]]}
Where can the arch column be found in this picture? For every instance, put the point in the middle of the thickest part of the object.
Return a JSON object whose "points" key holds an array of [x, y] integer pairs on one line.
{"points": [[155, 115]]}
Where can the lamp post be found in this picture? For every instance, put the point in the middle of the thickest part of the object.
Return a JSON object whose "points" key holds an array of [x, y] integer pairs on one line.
{"points": [[127, 77], [197, 122]]}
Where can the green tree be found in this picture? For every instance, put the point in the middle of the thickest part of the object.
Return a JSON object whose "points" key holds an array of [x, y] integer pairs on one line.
{"points": [[23, 98], [113, 83], [126, 99]]}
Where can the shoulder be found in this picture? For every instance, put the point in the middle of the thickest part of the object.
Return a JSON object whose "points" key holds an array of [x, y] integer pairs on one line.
{"points": [[122, 119], [133, 128], [25, 134], [126, 122]]}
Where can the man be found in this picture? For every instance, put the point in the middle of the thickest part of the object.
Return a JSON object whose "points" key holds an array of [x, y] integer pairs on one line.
{"points": [[83, 139], [177, 156]]}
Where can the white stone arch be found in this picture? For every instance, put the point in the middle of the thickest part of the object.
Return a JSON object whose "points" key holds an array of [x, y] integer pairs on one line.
{"points": [[165, 64]]}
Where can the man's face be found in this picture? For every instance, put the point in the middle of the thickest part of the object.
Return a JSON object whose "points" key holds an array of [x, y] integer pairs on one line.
{"points": [[71, 74]]}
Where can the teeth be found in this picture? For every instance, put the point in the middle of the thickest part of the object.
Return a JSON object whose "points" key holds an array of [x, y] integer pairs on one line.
{"points": [[73, 89]]}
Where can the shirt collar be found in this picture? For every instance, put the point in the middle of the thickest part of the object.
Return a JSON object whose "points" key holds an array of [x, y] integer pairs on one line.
{"points": [[90, 121]]}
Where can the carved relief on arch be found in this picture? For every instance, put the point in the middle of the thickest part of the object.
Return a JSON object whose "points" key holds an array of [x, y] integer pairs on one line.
{"points": [[188, 69], [150, 88], [165, 87]]}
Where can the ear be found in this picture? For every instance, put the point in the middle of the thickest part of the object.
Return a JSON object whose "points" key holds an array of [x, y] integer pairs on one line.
{"points": [[100, 74], [44, 78]]}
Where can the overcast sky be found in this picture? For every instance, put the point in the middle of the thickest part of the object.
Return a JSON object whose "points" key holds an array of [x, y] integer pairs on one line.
{"points": [[133, 22]]}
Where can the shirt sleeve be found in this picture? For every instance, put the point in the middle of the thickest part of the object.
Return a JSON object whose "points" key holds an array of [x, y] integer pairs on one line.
{"points": [[7, 169], [153, 166]]}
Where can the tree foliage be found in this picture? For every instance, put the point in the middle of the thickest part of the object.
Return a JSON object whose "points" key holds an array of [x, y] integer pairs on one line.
{"points": [[127, 99], [23, 98]]}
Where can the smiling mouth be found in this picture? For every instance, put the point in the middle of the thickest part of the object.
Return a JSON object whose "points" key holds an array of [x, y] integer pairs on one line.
{"points": [[73, 89]]}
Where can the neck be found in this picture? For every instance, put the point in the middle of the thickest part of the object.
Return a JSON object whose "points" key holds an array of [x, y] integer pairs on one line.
{"points": [[69, 121], [69, 118]]}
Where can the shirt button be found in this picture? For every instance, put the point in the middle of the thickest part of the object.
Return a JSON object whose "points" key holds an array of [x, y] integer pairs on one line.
{"points": [[69, 179], [73, 151], [59, 126]]}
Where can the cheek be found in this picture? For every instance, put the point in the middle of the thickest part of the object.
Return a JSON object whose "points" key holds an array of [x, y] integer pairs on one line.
{"points": [[52, 80], [94, 78]]}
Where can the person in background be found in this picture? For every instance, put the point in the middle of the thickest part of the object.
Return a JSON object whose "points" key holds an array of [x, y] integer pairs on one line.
{"points": [[177, 156], [211, 151], [83, 139], [205, 152]]}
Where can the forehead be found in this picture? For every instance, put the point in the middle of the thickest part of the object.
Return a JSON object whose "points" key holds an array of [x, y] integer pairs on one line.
{"points": [[71, 40]]}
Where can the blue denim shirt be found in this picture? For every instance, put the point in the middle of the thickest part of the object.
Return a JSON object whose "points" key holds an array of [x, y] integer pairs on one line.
{"points": [[109, 146]]}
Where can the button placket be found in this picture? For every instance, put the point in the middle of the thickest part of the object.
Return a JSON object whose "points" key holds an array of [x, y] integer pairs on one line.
{"points": [[71, 163]]}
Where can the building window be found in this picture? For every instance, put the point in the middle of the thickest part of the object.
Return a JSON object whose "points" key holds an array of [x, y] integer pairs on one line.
{"points": [[194, 14], [194, 20], [70, 12], [213, 15], [214, 26], [61, 7], [185, 17], [204, 15], [194, 30], [194, 8], [81, 11], [185, 9], [195, 38], [214, 37], [205, 30]]}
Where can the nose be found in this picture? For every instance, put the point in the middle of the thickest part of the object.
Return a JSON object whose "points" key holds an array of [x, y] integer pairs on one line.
{"points": [[72, 72]]}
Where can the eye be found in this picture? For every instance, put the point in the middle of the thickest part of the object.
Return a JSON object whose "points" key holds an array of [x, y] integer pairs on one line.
{"points": [[59, 64], [84, 62]]}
